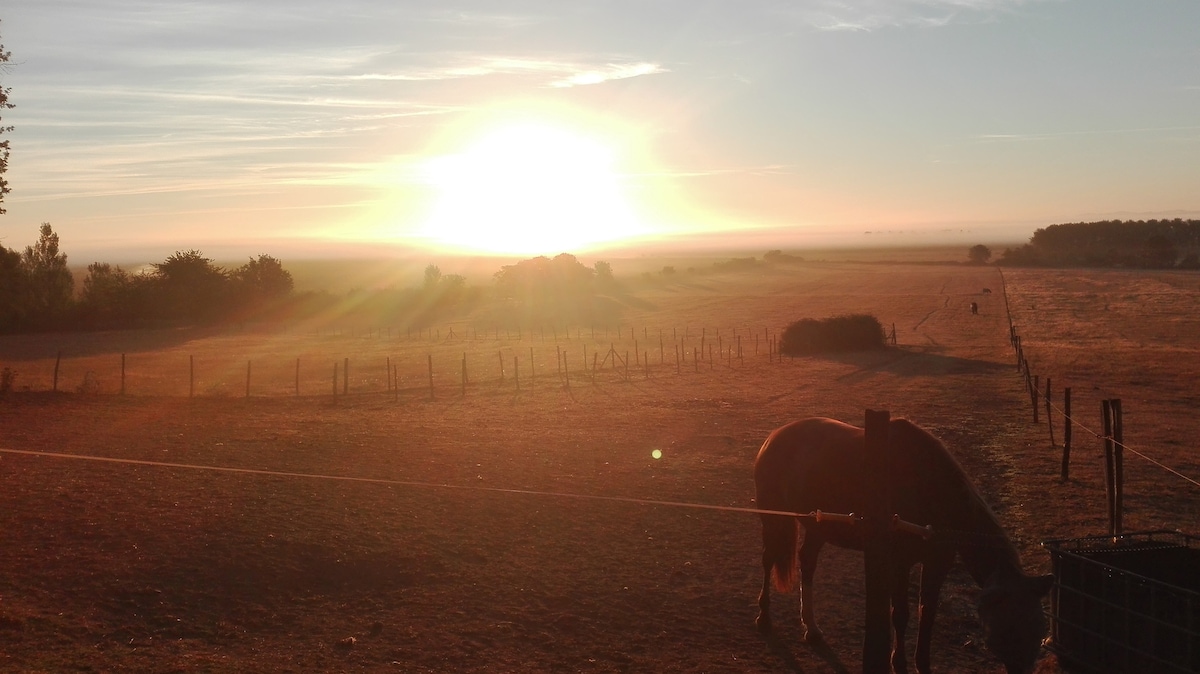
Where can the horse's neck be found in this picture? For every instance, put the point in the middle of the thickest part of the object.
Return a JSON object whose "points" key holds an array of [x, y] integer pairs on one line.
{"points": [[985, 548]]}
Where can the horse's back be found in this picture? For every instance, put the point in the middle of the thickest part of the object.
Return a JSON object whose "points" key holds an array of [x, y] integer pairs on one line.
{"points": [[807, 465], [817, 464]]}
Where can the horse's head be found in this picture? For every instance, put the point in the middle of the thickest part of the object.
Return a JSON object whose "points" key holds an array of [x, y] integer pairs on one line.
{"points": [[1010, 609]]}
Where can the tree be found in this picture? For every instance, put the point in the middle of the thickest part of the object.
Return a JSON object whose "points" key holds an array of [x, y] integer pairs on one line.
{"points": [[4, 105], [263, 279], [433, 274], [979, 254], [604, 273], [12, 290], [105, 295], [191, 287], [51, 285]]}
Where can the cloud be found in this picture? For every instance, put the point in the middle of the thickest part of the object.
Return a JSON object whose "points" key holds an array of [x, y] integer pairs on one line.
{"points": [[610, 72], [565, 73], [870, 15]]}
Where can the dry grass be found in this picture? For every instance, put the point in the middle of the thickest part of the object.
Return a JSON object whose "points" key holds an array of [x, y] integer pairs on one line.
{"points": [[141, 568]]}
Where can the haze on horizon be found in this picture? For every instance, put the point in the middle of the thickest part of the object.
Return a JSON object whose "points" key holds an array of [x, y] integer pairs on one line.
{"points": [[518, 128]]}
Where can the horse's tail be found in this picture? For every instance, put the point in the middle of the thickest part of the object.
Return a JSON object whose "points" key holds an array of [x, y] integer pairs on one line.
{"points": [[779, 549]]}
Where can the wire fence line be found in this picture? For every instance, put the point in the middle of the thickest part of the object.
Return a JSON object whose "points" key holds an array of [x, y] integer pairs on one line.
{"points": [[1037, 397], [623, 354]]}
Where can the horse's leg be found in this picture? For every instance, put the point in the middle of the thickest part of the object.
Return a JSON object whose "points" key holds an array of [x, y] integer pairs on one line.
{"points": [[809, 549], [933, 574], [900, 576], [764, 597]]}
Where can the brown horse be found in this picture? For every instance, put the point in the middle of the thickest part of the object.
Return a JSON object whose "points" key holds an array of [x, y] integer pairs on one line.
{"points": [[817, 464]]}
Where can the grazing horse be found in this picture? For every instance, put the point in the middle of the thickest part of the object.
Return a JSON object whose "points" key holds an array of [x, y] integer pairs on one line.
{"points": [[817, 464]]}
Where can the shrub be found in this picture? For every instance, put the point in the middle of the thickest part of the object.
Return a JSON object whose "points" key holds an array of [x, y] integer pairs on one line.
{"points": [[8, 376], [855, 332]]}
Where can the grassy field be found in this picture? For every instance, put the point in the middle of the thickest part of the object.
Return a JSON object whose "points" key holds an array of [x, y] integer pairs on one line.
{"points": [[143, 567]]}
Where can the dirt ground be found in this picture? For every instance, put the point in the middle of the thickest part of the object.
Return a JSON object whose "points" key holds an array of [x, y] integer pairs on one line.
{"points": [[472, 543]]}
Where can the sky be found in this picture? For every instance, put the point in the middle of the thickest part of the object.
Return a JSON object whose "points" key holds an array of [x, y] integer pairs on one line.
{"points": [[301, 128]]}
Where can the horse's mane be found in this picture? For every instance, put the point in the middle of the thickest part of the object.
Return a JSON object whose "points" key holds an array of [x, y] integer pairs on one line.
{"points": [[965, 517]]}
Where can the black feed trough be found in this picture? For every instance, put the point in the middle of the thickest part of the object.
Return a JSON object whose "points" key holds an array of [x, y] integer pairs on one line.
{"points": [[1126, 604]]}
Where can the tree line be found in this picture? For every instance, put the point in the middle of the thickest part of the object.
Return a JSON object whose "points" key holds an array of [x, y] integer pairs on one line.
{"points": [[1140, 244], [37, 290], [38, 293]]}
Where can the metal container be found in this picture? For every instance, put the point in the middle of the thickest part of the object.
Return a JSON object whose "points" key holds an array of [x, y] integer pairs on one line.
{"points": [[1129, 603]]}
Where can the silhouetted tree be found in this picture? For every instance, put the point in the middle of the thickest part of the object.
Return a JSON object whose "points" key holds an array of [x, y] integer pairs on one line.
{"points": [[604, 272], [433, 274], [4, 105], [979, 254], [50, 284], [13, 294], [262, 279], [106, 295], [541, 279], [191, 287]]}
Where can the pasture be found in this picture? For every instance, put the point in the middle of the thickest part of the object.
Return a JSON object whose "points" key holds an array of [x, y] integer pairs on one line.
{"points": [[140, 567]]}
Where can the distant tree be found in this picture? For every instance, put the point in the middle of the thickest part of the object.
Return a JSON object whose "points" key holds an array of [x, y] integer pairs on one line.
{"points": [[1159, 253], [191, 288], [13, 291], [4, 105], [541, 278], [262, 279], [433, 275], [106, 295], [604, 272], [51, 285], [668, 270], [979, 254]]}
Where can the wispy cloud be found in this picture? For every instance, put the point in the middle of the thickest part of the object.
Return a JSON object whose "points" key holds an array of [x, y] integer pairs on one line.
{"points": [[870, 15], [611, 71], [1053, 135], [563, 73]]}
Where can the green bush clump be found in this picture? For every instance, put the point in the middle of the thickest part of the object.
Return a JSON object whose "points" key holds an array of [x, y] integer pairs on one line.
{"points": [[854, 332]]}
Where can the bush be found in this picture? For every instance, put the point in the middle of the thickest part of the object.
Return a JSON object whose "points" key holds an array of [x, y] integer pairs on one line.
{"points": [[856, 332]]}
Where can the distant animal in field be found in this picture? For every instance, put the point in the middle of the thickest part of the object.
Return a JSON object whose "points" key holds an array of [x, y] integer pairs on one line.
{"points": [[987, 291], [974, 307], [816, 464]]}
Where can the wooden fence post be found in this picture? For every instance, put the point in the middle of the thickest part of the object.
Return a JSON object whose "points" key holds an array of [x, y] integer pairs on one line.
{"points": [[567, 371], [1067, 423], [57, 360], [517, 372], [877, 639], [1034, 391], [464, 373], [500, 355], [1109, 481], [532, 369], [389, 373], [1118, 432], [1049, 416]]}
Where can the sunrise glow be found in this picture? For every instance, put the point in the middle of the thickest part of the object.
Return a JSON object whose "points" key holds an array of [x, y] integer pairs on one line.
{"points": [[528, 188]]}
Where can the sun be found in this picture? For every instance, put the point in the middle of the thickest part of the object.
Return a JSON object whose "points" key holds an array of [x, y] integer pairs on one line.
{"points": [[528, 188]]}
